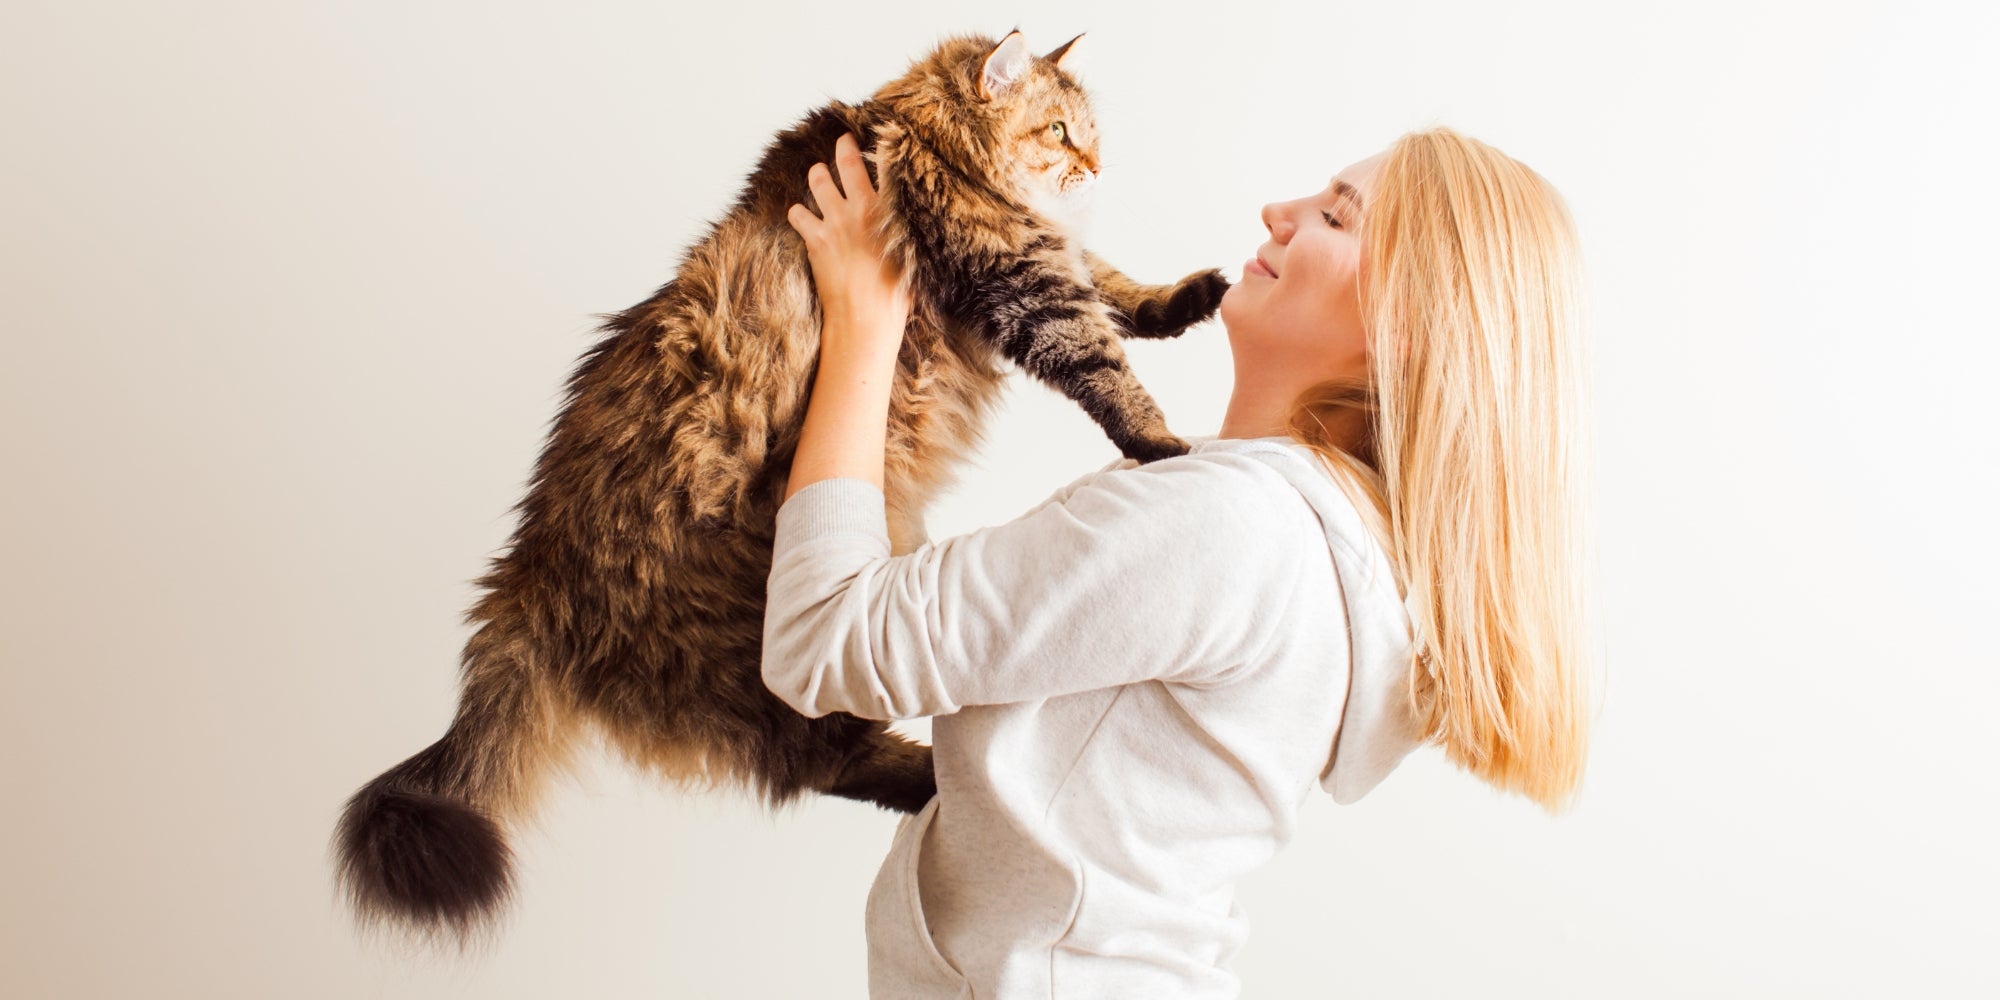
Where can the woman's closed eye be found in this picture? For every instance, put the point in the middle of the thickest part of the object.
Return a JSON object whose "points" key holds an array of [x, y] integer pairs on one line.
{"points": [[1330, 220]]}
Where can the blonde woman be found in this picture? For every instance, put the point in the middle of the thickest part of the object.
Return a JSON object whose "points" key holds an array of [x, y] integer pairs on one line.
{"points": [[1137, 683]]}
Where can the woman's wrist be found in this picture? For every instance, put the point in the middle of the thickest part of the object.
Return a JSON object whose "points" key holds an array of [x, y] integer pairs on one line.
{"points": [[869, 335]]}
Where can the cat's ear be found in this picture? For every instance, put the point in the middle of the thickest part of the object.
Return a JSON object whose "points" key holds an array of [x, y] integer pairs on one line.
{"points": [[1061, 53], [1005, 66]]}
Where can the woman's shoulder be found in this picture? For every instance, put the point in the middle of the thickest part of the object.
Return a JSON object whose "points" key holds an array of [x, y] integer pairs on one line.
{"points": [[1227, 489], [1217, 464], [1281, 477]]}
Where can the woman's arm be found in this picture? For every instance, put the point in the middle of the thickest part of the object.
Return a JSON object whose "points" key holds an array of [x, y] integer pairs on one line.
{"points": [[1175, 571], [864, 305], [1167, 571]]}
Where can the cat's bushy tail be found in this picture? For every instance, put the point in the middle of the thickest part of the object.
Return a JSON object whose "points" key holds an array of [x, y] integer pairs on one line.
{"points": [[423, 848]]}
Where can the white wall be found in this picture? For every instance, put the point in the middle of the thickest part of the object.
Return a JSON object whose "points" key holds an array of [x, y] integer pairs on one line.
{"points": [[291, 291]]}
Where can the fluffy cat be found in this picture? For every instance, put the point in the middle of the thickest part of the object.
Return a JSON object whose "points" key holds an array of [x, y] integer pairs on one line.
{"points": [[631, 598]]}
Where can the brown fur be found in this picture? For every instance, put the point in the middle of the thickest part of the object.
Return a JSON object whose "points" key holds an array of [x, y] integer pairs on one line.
{"points": [[632, 595]]}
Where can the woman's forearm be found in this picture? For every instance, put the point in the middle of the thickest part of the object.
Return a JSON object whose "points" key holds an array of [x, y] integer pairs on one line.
{"points": [[847, 415], [864, 305]]}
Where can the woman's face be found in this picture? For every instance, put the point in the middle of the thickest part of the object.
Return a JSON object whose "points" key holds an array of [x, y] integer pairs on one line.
{"points": [[1298, 305]]}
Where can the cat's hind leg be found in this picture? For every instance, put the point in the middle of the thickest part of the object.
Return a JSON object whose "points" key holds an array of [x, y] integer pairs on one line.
{"points": [[740, 731], [846, 756], [886, 769]]}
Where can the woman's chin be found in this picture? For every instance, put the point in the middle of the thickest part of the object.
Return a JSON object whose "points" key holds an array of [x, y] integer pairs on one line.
{"points": [[1231, 306]]}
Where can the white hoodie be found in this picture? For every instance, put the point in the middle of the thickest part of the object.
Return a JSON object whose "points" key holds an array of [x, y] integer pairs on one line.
{"points": [[1134, 686]]}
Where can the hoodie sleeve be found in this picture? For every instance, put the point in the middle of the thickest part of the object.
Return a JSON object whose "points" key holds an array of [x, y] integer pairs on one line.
{"points": [[1156, 572]]}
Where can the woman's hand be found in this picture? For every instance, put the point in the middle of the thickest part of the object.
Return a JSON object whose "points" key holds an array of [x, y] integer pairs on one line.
{"points": [[864, 296], [864, 304]]}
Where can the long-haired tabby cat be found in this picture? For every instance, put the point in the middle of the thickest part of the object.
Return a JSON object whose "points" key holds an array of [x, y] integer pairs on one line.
{"points": [[632, 594]]}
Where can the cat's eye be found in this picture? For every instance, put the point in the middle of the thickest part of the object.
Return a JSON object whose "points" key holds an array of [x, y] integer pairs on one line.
{"points": [[1330, 220], [1061, 131]]}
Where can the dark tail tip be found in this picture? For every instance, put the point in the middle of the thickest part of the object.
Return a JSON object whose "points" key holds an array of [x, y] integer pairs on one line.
{"points": [[431, 865]]}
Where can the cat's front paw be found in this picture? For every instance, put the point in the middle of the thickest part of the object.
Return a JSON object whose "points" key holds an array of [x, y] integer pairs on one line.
{"points": [[1155, 446], [1187, 302], [1198, 295]]}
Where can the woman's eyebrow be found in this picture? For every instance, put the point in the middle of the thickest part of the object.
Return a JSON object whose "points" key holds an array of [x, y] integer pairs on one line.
{"points": [[1342, 188]]}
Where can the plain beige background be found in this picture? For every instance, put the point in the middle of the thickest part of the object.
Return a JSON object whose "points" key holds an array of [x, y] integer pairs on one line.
{"points": [[291, 290]]}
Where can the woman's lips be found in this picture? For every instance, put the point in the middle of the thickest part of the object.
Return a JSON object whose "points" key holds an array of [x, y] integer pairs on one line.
{"points": [[1256, 265]]}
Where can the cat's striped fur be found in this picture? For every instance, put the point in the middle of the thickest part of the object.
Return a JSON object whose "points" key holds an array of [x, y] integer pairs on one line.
{"points": [[631, 598]]}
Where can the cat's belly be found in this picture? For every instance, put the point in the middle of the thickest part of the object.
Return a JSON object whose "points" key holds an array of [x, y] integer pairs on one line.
{"points": [[938, 412]]}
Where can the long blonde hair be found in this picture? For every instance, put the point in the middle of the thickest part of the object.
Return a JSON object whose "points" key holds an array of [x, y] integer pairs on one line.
{"points": [[1473, 475]]}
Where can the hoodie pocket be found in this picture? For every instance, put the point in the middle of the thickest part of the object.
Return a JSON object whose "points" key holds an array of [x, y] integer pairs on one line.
{"points": [[903, 960]]}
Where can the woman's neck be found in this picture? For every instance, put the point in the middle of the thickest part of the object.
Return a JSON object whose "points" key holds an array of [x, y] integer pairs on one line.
{"points": [[1252, 413], [1256, 416]]}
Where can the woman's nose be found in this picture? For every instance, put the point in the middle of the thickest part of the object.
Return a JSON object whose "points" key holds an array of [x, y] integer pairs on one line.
{"points": [[1276, 222]]}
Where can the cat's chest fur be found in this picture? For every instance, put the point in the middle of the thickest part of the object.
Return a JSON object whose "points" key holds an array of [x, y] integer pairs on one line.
{"points": [[949, 380]]}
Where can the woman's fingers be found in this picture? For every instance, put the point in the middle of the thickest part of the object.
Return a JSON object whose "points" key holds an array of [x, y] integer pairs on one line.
{"points": [[854, 185], [802, 220], [853, 169], [820, 180], [838, 212]]}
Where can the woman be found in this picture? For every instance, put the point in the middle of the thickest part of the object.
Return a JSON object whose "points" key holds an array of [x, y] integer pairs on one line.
{"points": [[1137, 683]]}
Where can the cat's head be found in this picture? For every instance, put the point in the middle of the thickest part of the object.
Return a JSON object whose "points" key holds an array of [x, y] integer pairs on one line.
{"points": [[1019, 119]]}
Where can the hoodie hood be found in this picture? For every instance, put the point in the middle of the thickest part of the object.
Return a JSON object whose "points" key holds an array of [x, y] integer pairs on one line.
{"points": [[1377, 728]]}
